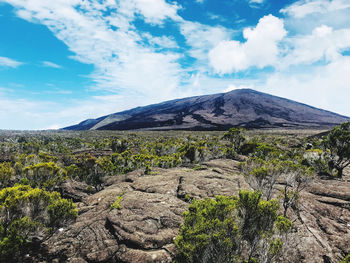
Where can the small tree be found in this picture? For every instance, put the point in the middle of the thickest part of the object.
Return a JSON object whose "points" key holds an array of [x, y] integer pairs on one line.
{"points": [[263, 176], [338, 144], [295, 178]]}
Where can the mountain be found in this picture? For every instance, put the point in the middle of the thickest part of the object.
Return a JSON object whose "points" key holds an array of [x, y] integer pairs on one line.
{"points": [[244, 107]]}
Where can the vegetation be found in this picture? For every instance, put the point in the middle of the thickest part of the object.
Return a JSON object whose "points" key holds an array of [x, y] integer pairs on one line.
{"points": [[116, 204], [46, 160], [235, 136], [250, 227], [263, 176], [44, 175], [232, 229], [338, 144], [26, 213], [6, 174]]}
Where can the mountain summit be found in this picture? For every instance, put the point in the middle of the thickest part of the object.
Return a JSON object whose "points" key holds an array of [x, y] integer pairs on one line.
{"points": [[243, 107]]}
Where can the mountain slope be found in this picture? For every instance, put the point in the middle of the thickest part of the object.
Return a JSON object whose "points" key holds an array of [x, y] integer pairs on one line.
{"points": [[244, 107]]}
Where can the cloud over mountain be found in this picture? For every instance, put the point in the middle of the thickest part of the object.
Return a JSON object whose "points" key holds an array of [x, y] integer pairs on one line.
{"points": [[149, 51]]}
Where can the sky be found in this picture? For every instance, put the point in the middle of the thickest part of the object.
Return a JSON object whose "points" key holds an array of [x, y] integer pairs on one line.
{"points": [[65, 61]]}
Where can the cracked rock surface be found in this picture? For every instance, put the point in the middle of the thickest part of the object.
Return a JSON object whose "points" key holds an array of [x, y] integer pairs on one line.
{"points": [[151, 208]]}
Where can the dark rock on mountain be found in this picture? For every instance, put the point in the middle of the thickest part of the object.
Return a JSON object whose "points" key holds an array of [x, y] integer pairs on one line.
{"points": [[150, 213], [243, 107]]}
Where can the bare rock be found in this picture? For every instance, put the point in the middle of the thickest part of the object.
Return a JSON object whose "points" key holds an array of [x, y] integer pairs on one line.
{"points": [[150, 214], [147, 221], [75, 190], [324, 229]]}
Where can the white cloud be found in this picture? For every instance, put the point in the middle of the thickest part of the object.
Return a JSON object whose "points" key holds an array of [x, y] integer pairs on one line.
{"points": [[7, 62], [122, 62], [323, 43], [303, 17], [255, 3], [19, 114], [160, 42], [201, 39], [50, 64], [326, 87], [147, 68], [39, 115], [260, 49], [155, 11], [303, 8]]}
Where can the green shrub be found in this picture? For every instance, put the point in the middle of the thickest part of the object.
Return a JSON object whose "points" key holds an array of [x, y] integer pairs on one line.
{"points": [[26, 212], [6, 173], [248, 148], [45, 175], [231, 229], [235, 137]]}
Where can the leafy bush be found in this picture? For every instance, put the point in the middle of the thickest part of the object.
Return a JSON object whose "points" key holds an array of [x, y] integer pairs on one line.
{"points": [[317, 159], [45, 175], [231, 229], [236, 137], [6, 173], [27, 212], [248, 147]]}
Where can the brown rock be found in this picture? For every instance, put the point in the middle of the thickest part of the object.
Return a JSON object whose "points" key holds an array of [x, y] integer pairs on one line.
{"points": [[76, 191], [150, 213]]}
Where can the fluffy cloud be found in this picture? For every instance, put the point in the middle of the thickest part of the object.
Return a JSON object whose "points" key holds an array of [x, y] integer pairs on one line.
{"points": [[155, 11], [260, 49], [202, 38], [7, 62], [134, 64], [323, 43]]}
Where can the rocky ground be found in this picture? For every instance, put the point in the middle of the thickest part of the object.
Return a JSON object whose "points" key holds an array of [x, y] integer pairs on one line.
{"points": [[151, 208]]}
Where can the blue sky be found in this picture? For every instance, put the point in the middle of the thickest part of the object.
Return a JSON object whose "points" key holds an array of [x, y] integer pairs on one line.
{"points": [[64, 61]]}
